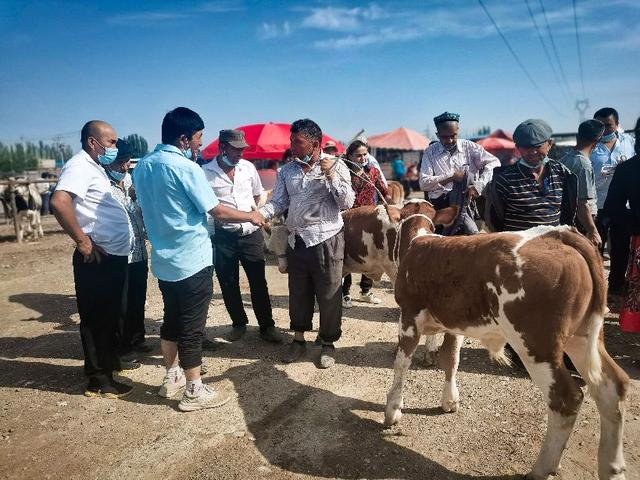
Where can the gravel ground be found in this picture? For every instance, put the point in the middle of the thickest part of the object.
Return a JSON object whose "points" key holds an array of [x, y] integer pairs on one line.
{"points": [[294, 421]]}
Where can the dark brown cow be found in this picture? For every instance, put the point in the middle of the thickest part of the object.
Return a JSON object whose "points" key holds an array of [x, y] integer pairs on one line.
{"points": [[541, 290]]}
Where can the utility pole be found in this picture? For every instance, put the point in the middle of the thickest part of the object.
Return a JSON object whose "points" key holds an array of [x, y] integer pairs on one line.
{"points": [[581, 107]]}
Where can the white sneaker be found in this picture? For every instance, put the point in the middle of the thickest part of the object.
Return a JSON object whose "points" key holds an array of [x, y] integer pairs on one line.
{"points": [[346, 301], [207, 397], [172, 384], [369, 298]]}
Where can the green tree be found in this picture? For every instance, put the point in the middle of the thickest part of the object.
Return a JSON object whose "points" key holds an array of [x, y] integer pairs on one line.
{"points": [[138, 144]]}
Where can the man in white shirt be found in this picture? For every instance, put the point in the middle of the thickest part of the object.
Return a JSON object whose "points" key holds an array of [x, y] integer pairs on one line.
{"points": [[454, 161], [236, 183], [99, 225]]}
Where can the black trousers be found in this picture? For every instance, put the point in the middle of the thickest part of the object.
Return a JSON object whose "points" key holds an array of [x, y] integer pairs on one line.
{"points": [[134, 298], [619, 238], [315, 273], [186, 305], [230, 251], [366, 284], [99, 291]]}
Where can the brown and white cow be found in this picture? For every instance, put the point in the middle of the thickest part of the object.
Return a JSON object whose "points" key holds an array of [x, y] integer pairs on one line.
{"points": [[541, 290], [369, 237]]}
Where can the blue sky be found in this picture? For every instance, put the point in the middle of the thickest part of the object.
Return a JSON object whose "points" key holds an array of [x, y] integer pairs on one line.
{"points": [[347, 65]]}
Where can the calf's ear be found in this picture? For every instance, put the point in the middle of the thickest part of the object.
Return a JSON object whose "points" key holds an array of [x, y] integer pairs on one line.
{"points": [[446, 216]]}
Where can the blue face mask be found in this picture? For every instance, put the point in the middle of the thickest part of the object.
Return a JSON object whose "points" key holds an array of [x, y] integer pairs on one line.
{"points": [[109, 155], [226, 160], [532, 167], [188, 153], [608, 138], [305, 161], [116, 176]]}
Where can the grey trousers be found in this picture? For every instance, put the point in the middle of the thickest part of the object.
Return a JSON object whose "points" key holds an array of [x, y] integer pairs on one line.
{"points": [[315, 273]]}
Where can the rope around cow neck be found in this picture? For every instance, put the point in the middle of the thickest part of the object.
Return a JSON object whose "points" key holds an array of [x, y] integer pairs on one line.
{"points": [[396, 246]]}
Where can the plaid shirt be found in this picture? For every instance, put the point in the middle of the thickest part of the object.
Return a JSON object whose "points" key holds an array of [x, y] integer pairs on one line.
{"points": [[139, 252]]}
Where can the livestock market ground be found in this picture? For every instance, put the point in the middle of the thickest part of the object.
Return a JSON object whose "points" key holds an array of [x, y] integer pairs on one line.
{"points": [[283, 422]]}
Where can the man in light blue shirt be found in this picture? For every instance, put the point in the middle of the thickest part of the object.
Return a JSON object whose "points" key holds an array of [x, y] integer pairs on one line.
{"points": [[175, 197], [614, 148]]}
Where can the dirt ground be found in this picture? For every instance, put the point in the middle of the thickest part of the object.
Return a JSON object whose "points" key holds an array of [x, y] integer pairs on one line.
{"points": [[283, 422]]}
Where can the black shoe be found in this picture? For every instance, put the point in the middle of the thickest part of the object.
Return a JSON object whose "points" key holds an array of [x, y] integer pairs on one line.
{"points": [[143, 347], [237, 333], [125, 366], [112, 390], [296, 350], [210, 345], [271, 335]]}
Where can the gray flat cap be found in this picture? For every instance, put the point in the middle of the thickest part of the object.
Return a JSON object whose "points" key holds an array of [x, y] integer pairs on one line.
{"points": [[532, 132], [235, 138]]}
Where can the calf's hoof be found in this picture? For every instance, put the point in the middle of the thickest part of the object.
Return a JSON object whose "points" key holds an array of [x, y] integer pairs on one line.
{"points": [[450, 406], [392, 416], [430, 358]]}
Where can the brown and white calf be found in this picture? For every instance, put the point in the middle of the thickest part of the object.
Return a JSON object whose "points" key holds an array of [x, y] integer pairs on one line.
{"points": [[369, 238], [541, 290]]}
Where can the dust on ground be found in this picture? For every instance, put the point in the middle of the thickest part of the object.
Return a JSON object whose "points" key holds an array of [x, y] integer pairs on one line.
{"points": [[284, 421]]}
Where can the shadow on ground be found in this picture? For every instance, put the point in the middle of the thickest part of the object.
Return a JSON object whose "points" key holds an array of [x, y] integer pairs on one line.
{"points": [[311, 431]]}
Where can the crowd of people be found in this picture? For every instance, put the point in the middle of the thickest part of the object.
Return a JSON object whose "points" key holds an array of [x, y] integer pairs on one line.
{"points": [[201, 217]]}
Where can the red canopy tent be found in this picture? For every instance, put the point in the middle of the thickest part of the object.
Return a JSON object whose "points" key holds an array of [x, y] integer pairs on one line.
{"points": [[399, 139], [266, 141], [499, 133], [492, 144]]}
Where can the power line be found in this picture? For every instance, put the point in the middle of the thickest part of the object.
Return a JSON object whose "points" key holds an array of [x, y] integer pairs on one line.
{"points": [[517, 59], [546, 51], [553, 46], [575, 20]]}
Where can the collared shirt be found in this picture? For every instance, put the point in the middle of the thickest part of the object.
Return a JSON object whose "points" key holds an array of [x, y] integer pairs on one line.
{"points": [[526, 203], [99, 214], [438, 165], [314, 201], [139, 252], [605, 161], [237, 193], [581, 167], [175, 197]]}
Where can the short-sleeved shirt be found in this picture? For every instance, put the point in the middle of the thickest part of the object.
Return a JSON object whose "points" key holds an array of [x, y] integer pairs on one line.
{"points": [[237, 193], [98, 212], [526, 203], [605, 162], [580, 166], [175, 197]]}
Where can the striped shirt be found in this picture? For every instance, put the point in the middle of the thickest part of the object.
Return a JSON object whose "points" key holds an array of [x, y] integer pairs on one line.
{"points": [[528, 204]]}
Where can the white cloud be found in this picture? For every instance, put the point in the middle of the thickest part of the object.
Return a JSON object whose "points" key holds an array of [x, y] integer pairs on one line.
{"points": [[385, 35], [268, 31], [341, 19], [151, 18]]}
